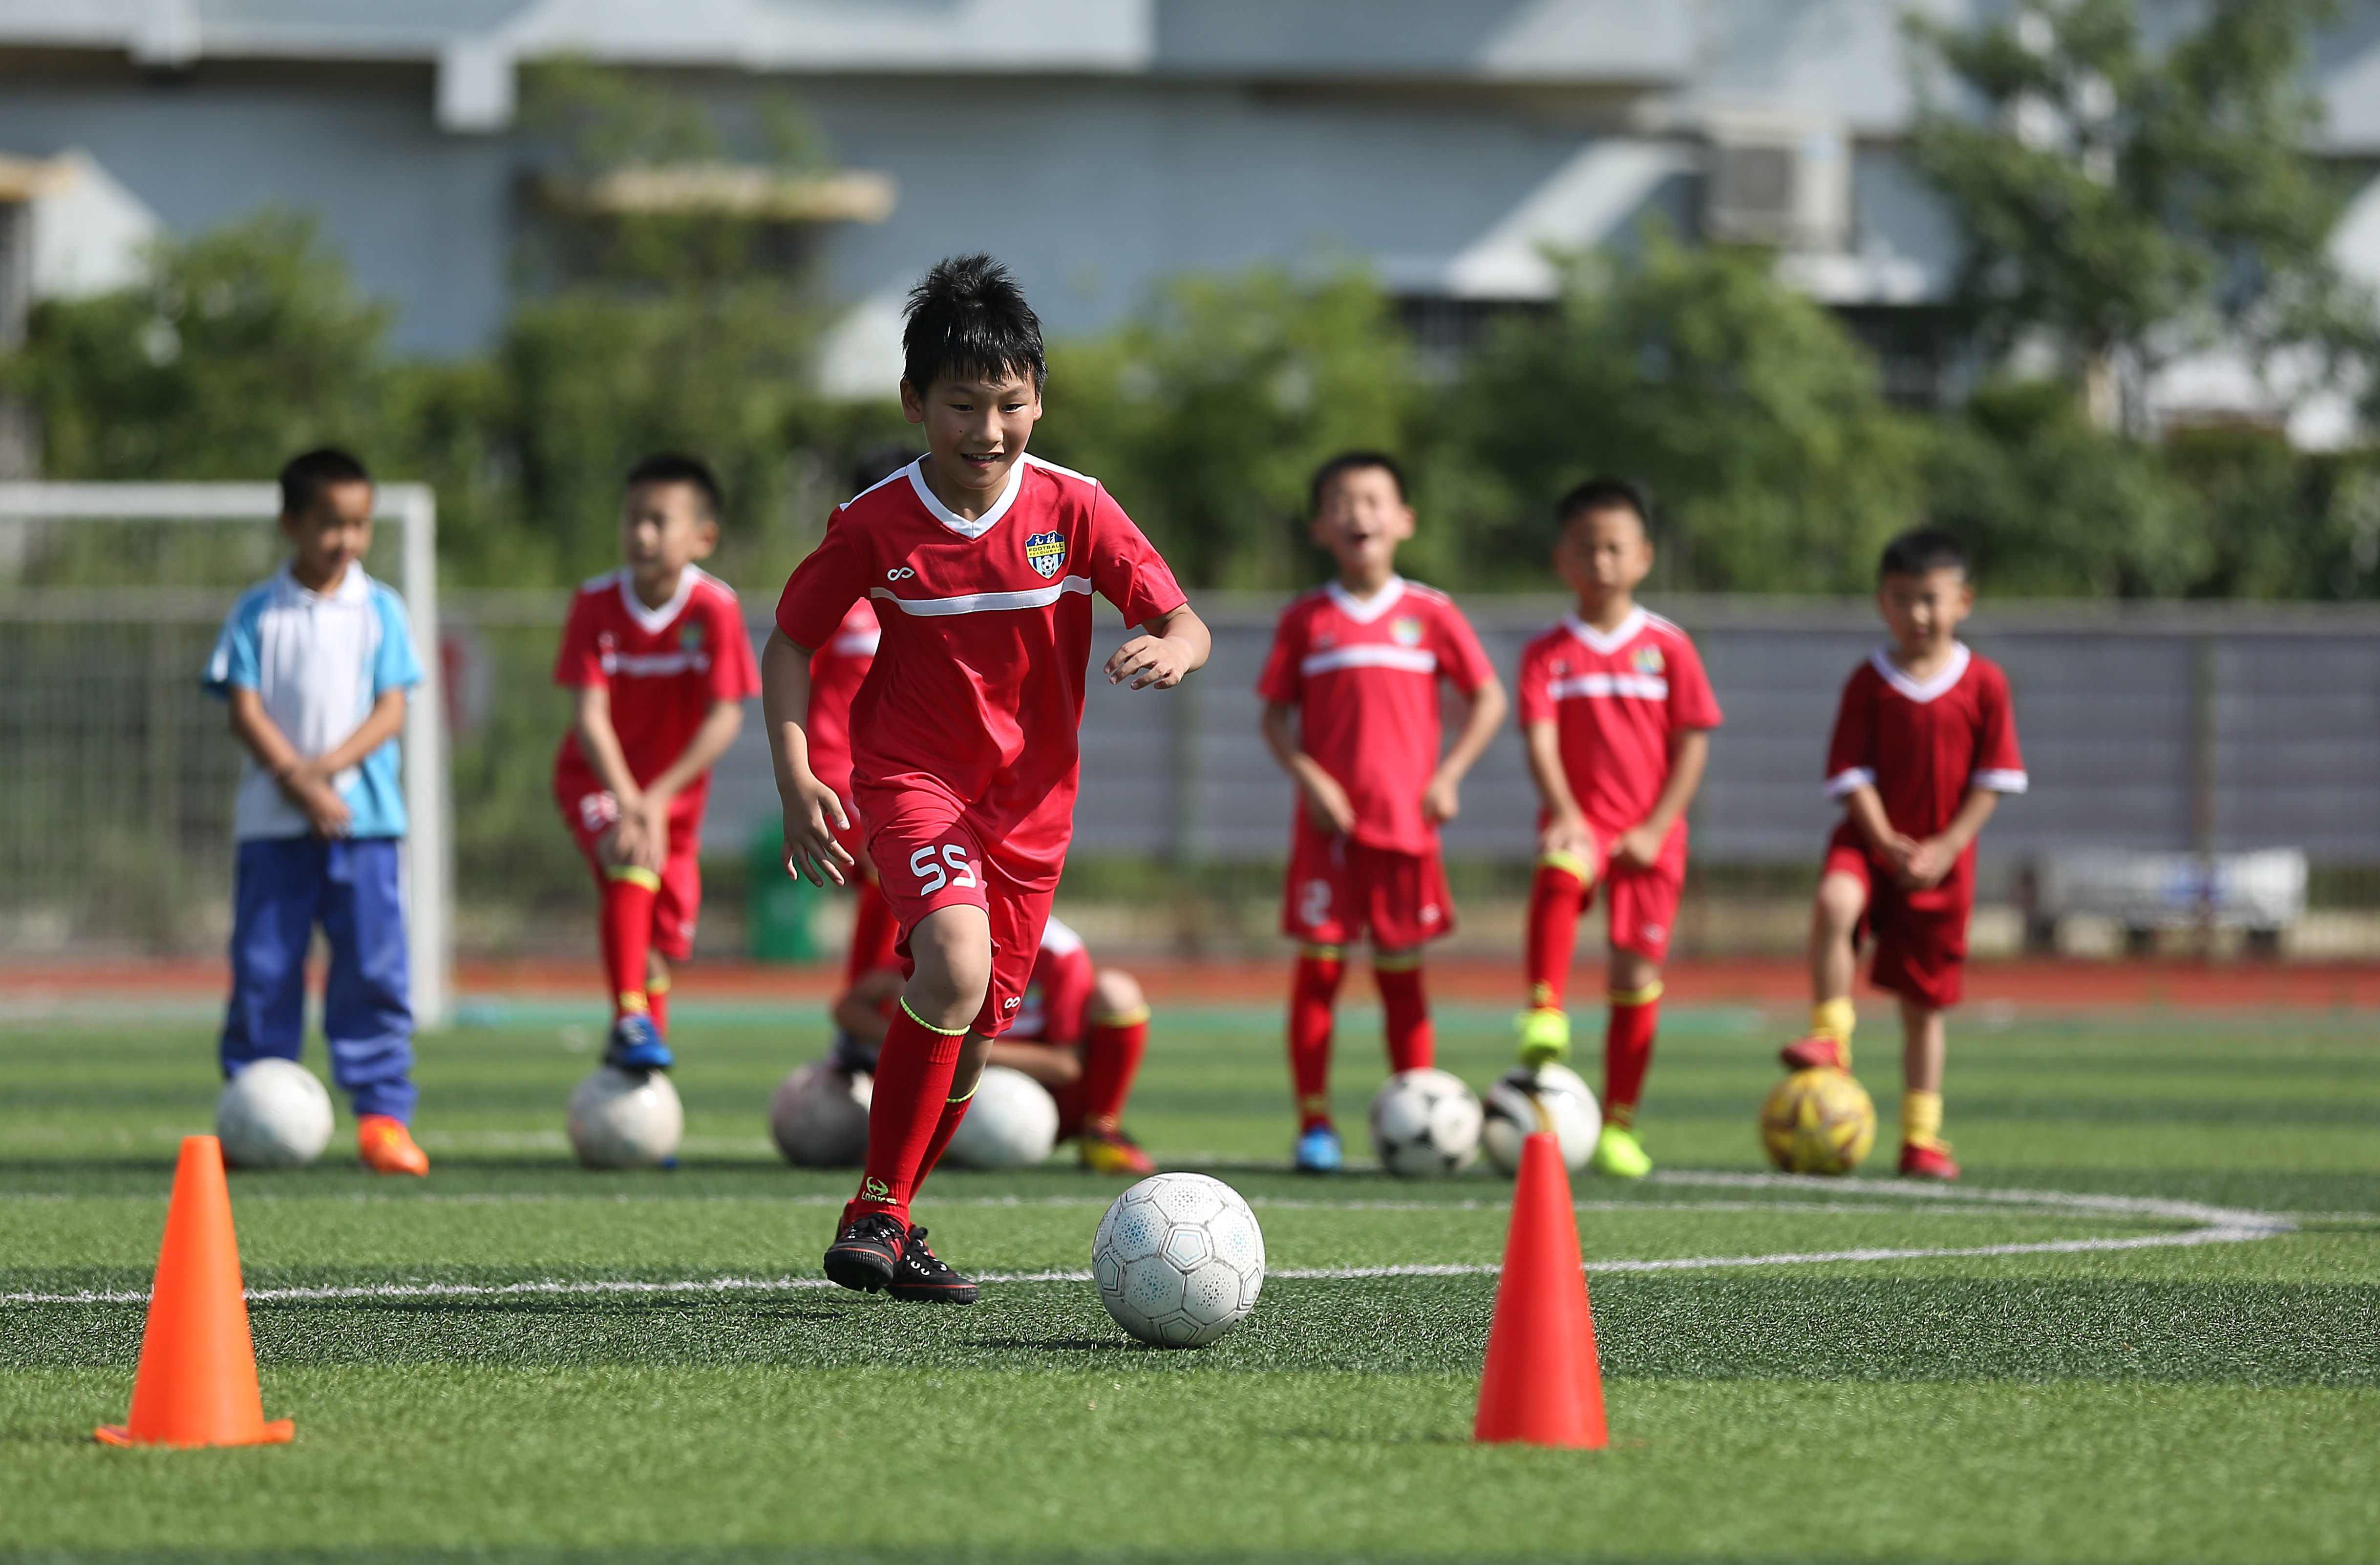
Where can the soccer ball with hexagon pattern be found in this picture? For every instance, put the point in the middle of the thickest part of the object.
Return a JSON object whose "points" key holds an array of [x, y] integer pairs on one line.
{"points": [[1424, 1122], [1179, 1260]]}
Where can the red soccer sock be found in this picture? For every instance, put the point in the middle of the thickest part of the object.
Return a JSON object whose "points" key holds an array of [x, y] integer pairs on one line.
{"points": [[628, 896], [1313, 992], [1404, 1013], [1628, 1051], [913, 1089], [1557, 896], [945, 1126], [1110, 1063], [657, 993], [874, 933]]}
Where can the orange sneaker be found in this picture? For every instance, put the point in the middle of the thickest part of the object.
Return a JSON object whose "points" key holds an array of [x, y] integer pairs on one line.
{"points": [[1927, 1162], [1817, 1052], [1112, 1152], [386, 1146]]}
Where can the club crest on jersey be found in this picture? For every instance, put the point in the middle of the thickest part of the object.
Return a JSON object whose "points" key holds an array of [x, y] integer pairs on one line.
{"points": [[1045, 552], [1407, 632], [1648, 660], [689, 636]]}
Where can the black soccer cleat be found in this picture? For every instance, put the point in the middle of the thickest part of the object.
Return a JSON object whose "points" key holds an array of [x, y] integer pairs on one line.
{"points": [[866, 1253], [923, 1278]]}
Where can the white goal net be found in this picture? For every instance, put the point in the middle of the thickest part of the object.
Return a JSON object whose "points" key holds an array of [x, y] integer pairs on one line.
{"points": [[116, 771]]}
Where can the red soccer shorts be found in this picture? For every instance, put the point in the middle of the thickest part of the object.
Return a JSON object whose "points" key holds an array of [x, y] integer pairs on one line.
{"points": [[926, 860], [1920, 936], [1643, 902], [679, 901], [1338, 887]]}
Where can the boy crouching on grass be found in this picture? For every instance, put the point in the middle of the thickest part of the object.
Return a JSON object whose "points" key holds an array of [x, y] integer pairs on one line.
{"points": [[1617, 714], [314, 664], [981, 561], [659, 667], [1924, 745]]}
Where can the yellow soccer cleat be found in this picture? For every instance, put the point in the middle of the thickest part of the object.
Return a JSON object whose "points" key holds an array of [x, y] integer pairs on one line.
{"points": [[1545, 1037], [1619, 1154], [1112, 1152]]}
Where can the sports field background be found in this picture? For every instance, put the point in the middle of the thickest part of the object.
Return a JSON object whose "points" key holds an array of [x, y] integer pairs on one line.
{"points": [[517, 1359]]}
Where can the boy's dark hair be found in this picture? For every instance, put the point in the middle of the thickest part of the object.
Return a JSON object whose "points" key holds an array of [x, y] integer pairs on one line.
{"points": [[1921, 550], [675, 467], [1351, 462], [968, 316], [307, 475], [876, 466], [1606, 495]]}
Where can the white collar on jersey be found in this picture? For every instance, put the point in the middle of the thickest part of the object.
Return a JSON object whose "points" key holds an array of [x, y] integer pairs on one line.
{"points": [[1881, 659], [1363, 610], [951, 519], [1627, 630], [651, 620], [354, 588]]}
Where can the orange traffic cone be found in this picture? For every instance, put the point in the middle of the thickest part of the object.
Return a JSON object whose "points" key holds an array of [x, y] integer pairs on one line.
{"points": [[1542, 1386], [197, 1382]]}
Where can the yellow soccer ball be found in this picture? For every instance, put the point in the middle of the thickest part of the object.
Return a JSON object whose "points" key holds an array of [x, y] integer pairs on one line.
{"points": [[1817, 1122]]}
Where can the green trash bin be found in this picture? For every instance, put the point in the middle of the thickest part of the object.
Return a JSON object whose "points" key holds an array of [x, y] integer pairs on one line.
{"points": [[780, 904]]}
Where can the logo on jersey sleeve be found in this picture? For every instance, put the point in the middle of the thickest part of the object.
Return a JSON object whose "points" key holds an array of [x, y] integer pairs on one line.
{"points": [[1407, 632], [1647, 660], [1045, 552]]}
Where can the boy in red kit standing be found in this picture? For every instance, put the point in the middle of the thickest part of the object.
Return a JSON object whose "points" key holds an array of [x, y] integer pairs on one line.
{"points": [[1351, 694], [659, 667], [981, 561], [1924, 745], [1080, 1032], [1617, 713]]}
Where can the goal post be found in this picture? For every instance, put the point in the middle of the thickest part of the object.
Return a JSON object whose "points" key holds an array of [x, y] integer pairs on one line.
{"points": [[428, 849]]}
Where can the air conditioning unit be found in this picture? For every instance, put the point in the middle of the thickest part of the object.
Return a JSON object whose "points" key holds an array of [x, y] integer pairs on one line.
{"points": [[1778, 179]]}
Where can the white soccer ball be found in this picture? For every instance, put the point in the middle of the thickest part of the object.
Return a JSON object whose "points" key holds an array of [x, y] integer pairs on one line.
{"points": [[820, 1116], [1424, 1122], [1512, 1106], [1013, 1122], [1179, 1260], [273, 1114], [626, 1119]]}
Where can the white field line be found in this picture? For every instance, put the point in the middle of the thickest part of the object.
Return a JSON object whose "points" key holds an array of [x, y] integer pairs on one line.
{"points": [[2217, 1226]]}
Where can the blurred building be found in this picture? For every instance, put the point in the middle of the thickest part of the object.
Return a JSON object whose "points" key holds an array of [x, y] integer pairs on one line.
{"points": [[1096, 144]]}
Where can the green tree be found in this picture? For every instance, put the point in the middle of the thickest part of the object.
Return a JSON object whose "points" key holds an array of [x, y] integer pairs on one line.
{"points": [[2134, 203], [1753, 415], [1207, 414]]}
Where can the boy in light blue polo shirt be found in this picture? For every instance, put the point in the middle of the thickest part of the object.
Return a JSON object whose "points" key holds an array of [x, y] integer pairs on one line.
{"points": [[315, 664]]}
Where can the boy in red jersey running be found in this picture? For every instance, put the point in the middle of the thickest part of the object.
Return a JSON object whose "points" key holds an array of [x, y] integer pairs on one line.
{"points": [[1081, 1033], [659, 667], [1617, 714], [964, 746], [1351, 712], [1924, 745]]}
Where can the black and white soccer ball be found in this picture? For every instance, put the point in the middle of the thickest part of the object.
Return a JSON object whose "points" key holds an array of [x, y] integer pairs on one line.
{"points": [[1179, 1260], [626, 1119], [1512, 1116], [272, 1114], [1011, 1123], [1425, 1123], [818, 1118]]}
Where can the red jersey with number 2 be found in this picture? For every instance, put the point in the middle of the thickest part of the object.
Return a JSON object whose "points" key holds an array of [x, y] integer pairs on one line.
{"points": [[1364, 674], [664, 669], [975, 701]]}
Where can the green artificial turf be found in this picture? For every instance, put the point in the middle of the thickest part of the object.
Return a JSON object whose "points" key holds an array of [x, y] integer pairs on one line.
{"points": [[2211, 1402]]}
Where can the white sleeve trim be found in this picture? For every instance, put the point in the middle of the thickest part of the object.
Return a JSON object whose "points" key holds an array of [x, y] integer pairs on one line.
{"points": [[1996, 781], [1851, 779]]}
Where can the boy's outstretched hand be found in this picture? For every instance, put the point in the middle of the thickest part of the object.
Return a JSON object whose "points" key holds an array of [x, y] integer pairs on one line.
{"points": [[811, 851], [1169, 647]]}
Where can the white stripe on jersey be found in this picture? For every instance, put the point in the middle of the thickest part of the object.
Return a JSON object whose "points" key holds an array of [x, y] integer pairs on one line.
{"points": [[985, 603], [858, 643], [1645, 687], [655, 663], [1411, 660], [1058, 938], [1851, 779], [1994, 780]]}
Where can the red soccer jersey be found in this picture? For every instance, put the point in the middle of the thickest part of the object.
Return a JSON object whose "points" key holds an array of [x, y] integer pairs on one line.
{"points": [[1923, 747], [1058, 995], [1615, 701], [976, 693], [1363, 676], [664, 668], [836, 670]]}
